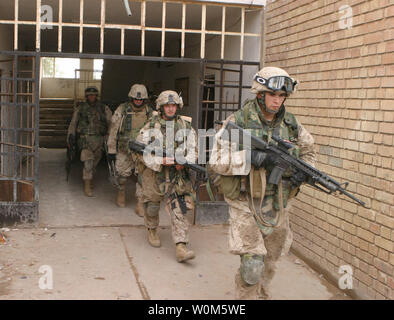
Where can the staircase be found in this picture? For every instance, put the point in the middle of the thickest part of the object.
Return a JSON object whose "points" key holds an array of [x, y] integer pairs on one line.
{"points": [[55, 116]]}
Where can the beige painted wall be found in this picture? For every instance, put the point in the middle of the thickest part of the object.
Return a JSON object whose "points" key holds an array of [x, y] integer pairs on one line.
{"points": [[164, 77], [65, 88]]}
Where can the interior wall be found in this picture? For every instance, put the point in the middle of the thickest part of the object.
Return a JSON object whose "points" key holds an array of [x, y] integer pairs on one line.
{"points": [[162, 77], [65, 88], [119, 76]]}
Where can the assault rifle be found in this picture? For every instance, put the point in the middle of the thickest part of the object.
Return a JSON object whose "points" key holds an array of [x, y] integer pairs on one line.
{"points": [[284, 160], [139, 147], [71, 154], [113, 177]]}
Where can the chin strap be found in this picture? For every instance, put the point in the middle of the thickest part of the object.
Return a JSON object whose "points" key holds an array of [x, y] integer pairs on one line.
{"points": [[261, 102]]}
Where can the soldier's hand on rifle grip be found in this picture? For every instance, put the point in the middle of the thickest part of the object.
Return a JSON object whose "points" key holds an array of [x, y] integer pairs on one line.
{"points": [[257, 158], [298, 178], [179, 167]]}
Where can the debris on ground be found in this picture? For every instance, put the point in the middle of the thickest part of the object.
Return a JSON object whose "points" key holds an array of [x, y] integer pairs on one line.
{"points": [[3, 239]]}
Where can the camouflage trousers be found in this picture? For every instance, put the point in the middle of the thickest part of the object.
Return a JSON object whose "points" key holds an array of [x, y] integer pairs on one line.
{"points": [[245, 237], [125, 164], [90, 159], [152, 198]]}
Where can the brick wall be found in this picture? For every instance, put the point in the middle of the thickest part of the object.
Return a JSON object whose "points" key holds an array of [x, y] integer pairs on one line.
{"points": [[346, 100]]}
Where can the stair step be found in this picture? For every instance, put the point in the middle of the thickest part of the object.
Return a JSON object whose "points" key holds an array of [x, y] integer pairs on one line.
{"points": [[57, 108], [51, 112], [53, 142], [53, 133], [56, 101], [55, 116], [53, 126], [55, 121]]}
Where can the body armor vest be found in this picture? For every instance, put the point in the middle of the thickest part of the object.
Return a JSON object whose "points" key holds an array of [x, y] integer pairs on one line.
{"points": [[283, 125], [132, 123], [169, 175], [92, 120]]}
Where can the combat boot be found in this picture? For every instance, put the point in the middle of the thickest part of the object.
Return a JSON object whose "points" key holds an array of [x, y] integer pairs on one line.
{"points": [[182, 253], [153, 238], [140, 208], [88, 188], [121, 198]]}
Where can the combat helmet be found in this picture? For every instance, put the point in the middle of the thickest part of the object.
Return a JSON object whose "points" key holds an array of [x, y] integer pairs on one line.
{"points": [[138, 91], [169, 97], [273, 79], [91, 90]]}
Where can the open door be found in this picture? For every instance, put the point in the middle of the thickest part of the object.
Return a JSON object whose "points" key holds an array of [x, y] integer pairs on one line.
{"points": [[19, 105], [220, 95]]}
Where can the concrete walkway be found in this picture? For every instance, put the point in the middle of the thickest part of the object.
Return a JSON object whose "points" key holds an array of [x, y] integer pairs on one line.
{"points": [[98, 251]]}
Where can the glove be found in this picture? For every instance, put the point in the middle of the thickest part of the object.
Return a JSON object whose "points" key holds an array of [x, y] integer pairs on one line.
{"points": [[257, 158], [270, 159], [298, 178], [111, 156]]}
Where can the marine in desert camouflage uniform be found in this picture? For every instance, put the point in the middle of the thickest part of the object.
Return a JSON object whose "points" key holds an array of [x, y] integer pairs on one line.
{"points": [[89, 125], [127, 121], [163, 179], [259, 211]]}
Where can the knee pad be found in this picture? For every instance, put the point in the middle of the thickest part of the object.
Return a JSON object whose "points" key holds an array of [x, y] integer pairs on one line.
{"points": [[252, 268], [89, 165], [152, 209]]}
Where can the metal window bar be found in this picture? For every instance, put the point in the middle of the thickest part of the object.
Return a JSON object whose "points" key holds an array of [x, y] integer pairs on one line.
{"points": [[142, 26], [221, 107]]}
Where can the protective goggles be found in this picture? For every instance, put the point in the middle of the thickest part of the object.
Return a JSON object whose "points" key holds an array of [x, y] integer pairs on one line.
{"points": [[277, 83], [91, 92]]}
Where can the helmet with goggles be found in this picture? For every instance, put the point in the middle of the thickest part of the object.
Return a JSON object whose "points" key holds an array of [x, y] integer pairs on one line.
{"points": [[273, 79]]}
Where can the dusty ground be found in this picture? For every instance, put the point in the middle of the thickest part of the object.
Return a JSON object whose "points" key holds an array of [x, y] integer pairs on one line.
{"points": [[99, 251]]}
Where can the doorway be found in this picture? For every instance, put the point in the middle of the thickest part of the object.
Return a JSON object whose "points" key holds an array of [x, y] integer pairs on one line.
{"points": [[20, 146]]}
